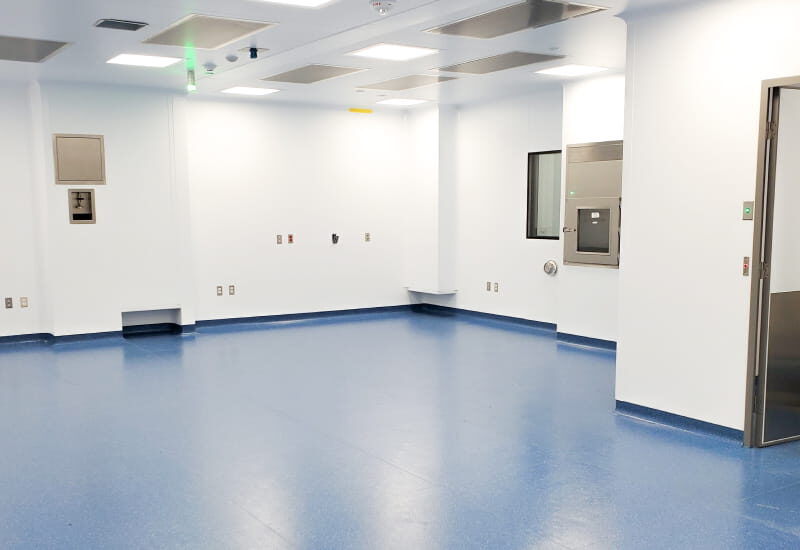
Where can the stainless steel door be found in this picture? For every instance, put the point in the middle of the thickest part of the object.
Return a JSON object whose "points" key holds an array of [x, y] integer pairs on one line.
{"points": [[778, 380], [591, 233]]}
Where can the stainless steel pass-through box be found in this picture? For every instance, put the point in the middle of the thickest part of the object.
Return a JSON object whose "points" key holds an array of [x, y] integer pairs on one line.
{"points": [[593, 204]]}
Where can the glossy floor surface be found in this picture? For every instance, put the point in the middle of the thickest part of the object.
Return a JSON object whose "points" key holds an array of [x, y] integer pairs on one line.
{"points": [[385, 431]]}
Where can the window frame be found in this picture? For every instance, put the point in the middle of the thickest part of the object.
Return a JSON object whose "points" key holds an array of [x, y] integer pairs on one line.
{"points": [[533, 187]]}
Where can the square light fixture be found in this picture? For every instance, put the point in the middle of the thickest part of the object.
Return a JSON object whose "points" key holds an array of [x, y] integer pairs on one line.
{"points": [[144, 60], [300, 3], [244, 90], [394, 52], [572, 70], [402, 102]]}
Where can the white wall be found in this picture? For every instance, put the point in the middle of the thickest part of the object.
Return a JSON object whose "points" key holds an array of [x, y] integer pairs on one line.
{"points": [[130, 259], [594, 110], [18, 218], [257, 171], [694, 77]]}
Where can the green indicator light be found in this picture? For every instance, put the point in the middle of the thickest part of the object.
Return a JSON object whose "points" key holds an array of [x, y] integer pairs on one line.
{"points": [[747, 210], [572, 192]]}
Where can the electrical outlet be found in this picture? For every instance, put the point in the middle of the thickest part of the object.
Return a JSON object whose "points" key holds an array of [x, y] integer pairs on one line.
{"points": [[488, 286], [497, 287], [219, 291], [280, 239], [9, 303], [23, 302], [291, 238], [367, 237], [232, 290]]}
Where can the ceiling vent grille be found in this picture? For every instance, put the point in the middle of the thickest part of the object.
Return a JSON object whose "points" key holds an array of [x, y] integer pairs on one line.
{"points": [[408, 82], [530, 14], [206, 32], [312, 73], [120, 25], [28, 50], [500, 62]]}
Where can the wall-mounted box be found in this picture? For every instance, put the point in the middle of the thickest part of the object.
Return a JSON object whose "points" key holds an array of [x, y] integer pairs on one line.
{"points": [[592, 216], [81, 206], [79, 159]]}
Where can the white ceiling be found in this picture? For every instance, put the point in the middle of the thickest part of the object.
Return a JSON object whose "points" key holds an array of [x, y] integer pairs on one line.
{"points": [[303, 36]]}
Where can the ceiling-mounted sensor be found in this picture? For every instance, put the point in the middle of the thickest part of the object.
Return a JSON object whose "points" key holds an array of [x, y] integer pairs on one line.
{"points": [[120, 24], [210, 67], [382, 6], [232, 58]]}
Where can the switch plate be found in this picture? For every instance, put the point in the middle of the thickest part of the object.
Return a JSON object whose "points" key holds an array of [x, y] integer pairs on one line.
{"points": [[748, 210], [219, 291], [9, 303], [232, 290], [746, 266], [23, 302], [280, 239], [367, 237], [488, 286], [497, 287]]}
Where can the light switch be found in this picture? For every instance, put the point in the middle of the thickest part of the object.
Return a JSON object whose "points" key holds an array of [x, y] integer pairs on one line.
{"points": [[232, 290], [219, 291], [9, 303], [746, 266], [748, 210]]}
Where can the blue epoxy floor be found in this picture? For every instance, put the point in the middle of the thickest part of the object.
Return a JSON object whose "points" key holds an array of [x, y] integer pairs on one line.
{"points": [[390, 431]]}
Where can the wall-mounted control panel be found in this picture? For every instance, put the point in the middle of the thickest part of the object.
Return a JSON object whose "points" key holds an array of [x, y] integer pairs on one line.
{"points": [[593, 204], [79, 159], [81, 206]]}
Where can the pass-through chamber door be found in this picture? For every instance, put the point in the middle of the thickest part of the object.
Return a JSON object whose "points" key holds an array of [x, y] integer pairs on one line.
{"points": [[591, 232]]}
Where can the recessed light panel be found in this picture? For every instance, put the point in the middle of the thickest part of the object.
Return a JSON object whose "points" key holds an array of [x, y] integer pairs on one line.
{"points": [[408, 82], [206, 32], [120, 25], [394, 52], [300, 3], [500, 62], [243, 90], [28, 50], [402, 102], [572, 70], [144, 60], [311, 74], [517, 17]]}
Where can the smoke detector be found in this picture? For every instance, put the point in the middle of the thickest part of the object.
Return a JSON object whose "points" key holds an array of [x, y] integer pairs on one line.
{"points": [[382, 6]]}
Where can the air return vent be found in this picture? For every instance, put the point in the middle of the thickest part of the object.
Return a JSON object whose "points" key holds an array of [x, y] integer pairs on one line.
{"points": [[28, 50], [517, 17], [408, 82], [120, 25], [206, 32], [312, 73], [500, 62]]}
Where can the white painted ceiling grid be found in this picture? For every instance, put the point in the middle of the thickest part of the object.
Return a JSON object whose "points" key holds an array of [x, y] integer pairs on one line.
{"points": [[305, 36]]}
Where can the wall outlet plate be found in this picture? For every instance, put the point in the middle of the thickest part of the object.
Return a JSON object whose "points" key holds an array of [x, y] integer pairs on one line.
{"points": [[9, 303], [219, 291], [488, 286], [497, 287], [291, 238], [232, 290], [367, 237], [280, 239], [23, 302]]}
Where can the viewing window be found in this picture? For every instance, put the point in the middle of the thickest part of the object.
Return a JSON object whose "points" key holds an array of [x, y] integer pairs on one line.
{"points": [[544, 195]]}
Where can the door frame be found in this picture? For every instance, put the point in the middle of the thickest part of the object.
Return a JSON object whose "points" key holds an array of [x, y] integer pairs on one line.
{"points": [[759, 286]]}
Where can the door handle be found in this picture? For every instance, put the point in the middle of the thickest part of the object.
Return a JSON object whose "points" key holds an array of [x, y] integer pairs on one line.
{"points": [[569, 230]]}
